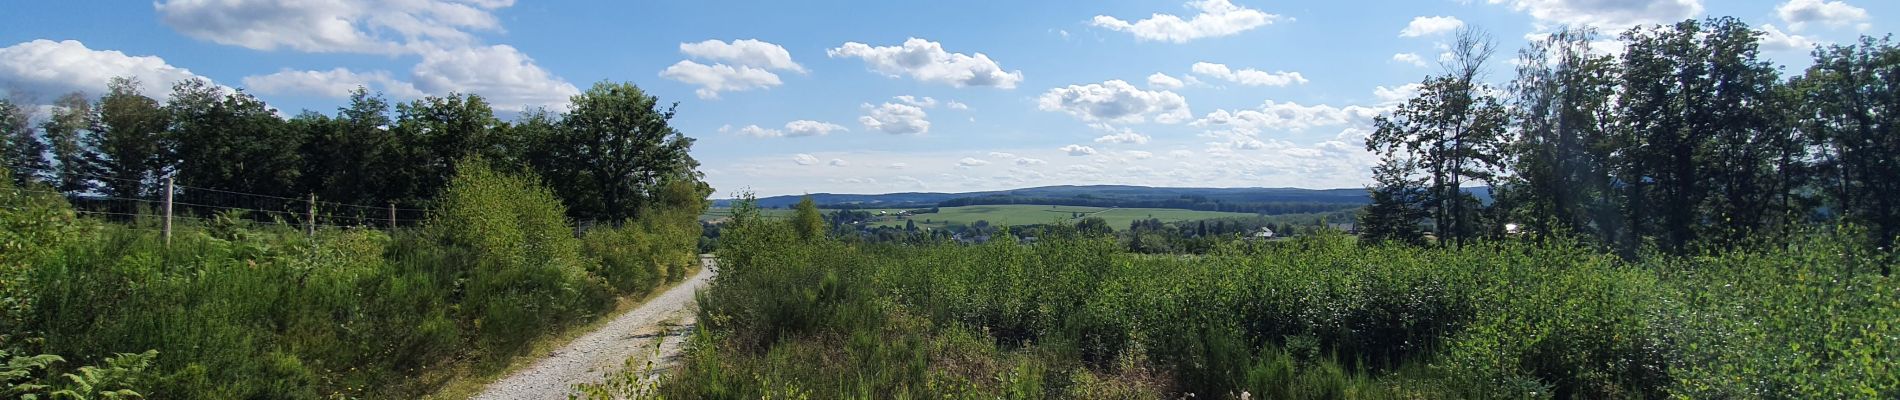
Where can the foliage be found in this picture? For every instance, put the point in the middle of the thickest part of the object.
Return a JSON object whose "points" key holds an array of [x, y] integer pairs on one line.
{"points": [[116, 380]]}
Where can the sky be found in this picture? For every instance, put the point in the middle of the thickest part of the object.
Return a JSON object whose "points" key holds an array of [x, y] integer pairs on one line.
{"points": [[882, 96]]}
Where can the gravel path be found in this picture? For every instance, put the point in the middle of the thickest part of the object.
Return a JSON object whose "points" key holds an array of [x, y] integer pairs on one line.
{"points": [[604, 351]]}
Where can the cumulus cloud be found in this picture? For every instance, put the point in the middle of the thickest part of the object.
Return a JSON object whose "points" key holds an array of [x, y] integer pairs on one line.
{"points": [[348, 26], [972, 162], [750, 60], [499, 73], [1116, 101], [925, 102], [927, 61], [1164, 82], [747, 52], [1138, 154], [895, 118], [957, 105], [756, 131], [838, 162], [1249, 76], [804, 159], [1078, 150], [898, 165], [1427, 26], [1029, 162], [1395, 95], [805, 127], [1126, 136], [716, 78], [1774, 39], [1609, 15], [49, 68], [1799, 13], [334, 83], [1274, 115], [1216, 18], [1409, 58]]}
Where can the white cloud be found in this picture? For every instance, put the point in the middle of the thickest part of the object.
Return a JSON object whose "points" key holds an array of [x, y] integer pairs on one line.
{"points": [[502, 75], [746, 52], [1608, 15], [1138, 154], [1030, 162], [48, 68], [1409, 58], [1799, 13], [839, 162], [1078, 150], [758, 132], [1116, 101], [1395, 95], [334, 83], [1126, 136], [1249, 76], [716, 78], [1426, 26], [349, 26], [925, 102], [895, 118], [972, 162], [805, 127], [1002, 155], [957, 105], [804, 159], [898, 165], [926, 61], [1274, 115], [1774, 39], [1216, 18], [1164, 82]]}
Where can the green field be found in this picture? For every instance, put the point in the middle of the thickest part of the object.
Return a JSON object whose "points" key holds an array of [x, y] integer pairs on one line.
{"points": [[1014, 214]]}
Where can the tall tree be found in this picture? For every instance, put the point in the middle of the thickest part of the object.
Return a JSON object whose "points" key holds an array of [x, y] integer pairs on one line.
{"points": [[615, 148], [1561, 151], [1454, 128], [129, 140], [436, 133], [1853, 96], [807, 221], [71, 121], [232, 142], [24, 152]]}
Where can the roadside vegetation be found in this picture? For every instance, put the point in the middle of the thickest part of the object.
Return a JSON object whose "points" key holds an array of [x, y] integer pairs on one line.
{"points": [[510, 233]]}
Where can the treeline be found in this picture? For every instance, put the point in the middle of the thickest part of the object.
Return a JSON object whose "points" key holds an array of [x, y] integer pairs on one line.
{"points": [[604, 157], [1685, 139], [1197, 203]]}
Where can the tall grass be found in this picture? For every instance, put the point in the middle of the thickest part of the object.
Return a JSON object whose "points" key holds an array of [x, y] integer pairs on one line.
{"points": [[239, 311], [1318, 317]]}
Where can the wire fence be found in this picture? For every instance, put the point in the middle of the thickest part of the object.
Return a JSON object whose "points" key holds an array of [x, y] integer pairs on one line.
{"points": [[209, 205]]}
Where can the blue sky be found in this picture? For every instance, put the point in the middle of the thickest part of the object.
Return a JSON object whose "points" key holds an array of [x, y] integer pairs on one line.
{"points": [[867, 97]]}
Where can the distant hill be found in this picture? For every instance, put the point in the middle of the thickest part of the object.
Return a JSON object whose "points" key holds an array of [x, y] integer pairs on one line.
{"points": [[1253, 200]]}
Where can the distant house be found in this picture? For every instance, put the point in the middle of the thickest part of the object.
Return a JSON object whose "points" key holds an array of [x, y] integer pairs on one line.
{"points": [[1262, 234]]}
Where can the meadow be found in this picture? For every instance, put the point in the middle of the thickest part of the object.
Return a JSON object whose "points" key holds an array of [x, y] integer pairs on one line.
{"points": [[1322, 316], [1013, 215]]}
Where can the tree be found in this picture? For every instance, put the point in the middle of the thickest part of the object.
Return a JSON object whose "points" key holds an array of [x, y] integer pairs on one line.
{"points": [[1561, 152], [232, 142], [1852, 96], [614, 147], [807, 221], [1398, 204], [71, 121], [24, 152], [1454, 129], [434, 133], [130, 140]]}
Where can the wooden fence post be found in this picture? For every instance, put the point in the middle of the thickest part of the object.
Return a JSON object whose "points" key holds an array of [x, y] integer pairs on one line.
{"points": [[310, 218], [392, 215], [168, 211]]}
